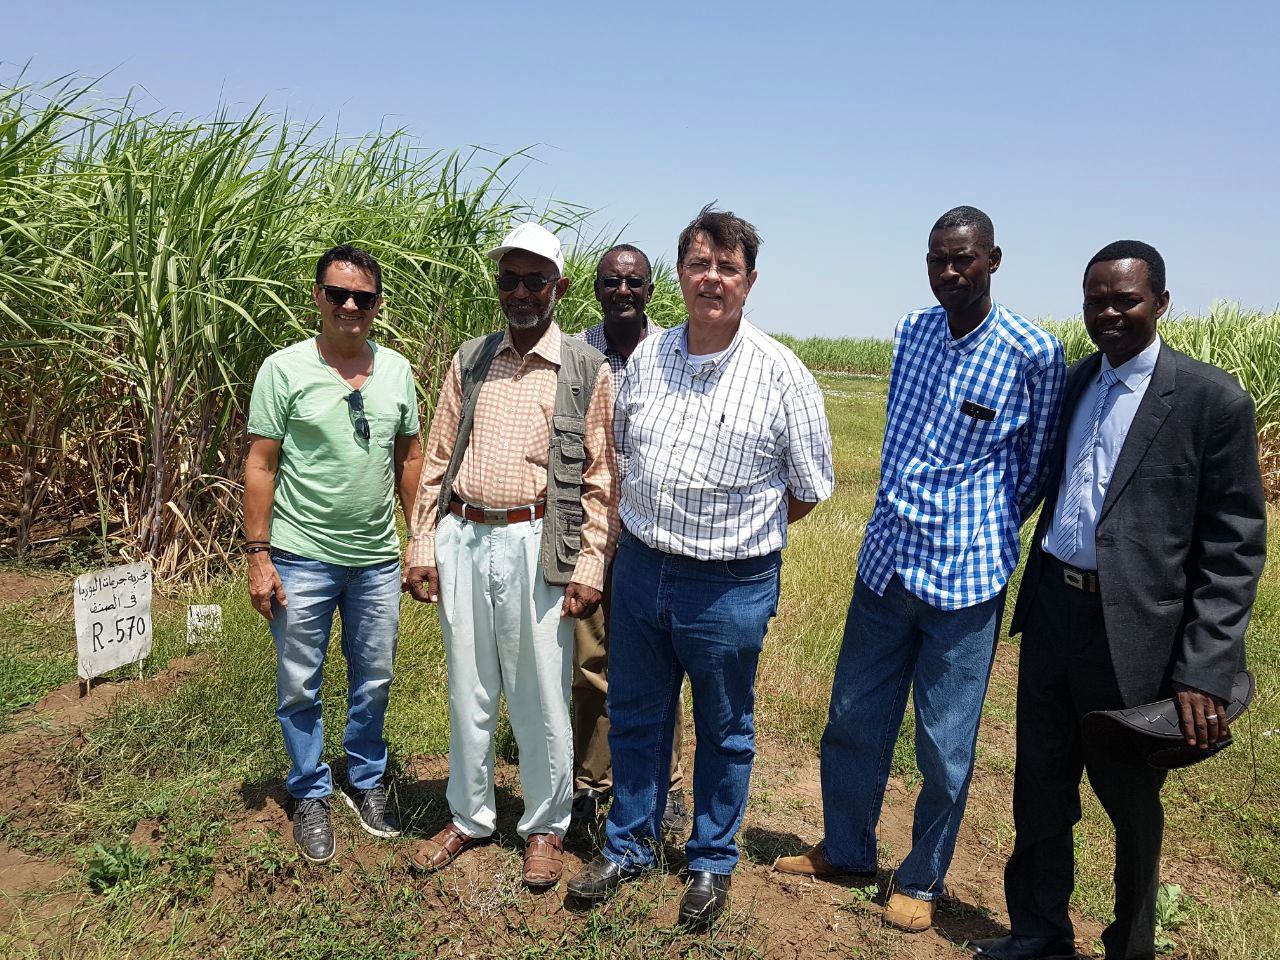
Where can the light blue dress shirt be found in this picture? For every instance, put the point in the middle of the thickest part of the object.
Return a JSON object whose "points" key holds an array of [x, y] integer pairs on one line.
{"points": [[1117, 416]]}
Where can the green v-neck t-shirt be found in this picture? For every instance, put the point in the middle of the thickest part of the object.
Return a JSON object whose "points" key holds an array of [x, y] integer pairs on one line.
{"points": [[335, 491]]}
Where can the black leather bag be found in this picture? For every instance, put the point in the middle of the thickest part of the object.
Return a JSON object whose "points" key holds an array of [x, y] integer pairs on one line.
{"points": [[1151, 734]]}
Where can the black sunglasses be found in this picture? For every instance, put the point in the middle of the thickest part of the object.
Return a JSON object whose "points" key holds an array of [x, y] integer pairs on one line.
{"points": [[339, 296], [355, 400], [533, 282], [633, 283]]}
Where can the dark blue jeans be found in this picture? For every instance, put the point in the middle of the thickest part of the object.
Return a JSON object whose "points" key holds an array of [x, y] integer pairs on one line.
{"points": [[893, 645], [673, 616]]}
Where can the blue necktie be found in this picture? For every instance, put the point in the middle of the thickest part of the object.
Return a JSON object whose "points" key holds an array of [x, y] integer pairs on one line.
{"points": [[1081, 478]]}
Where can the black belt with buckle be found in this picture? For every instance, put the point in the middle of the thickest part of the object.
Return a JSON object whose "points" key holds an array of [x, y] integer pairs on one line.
{"points": [[1083, 580]]}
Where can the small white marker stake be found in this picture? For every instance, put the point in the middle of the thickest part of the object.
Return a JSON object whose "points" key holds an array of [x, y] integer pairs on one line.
{"points": [[204, 623]]}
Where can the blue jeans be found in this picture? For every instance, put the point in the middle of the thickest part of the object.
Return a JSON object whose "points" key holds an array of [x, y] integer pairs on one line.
{"points": [[368, 598], [895, 644], [672, 616]]}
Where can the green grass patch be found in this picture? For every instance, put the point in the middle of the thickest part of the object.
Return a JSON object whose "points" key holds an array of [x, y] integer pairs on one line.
{"points": [[191, 765]]}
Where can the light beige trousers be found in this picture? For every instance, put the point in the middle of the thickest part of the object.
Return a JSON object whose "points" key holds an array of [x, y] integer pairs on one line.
{"points": [[503, 634]]}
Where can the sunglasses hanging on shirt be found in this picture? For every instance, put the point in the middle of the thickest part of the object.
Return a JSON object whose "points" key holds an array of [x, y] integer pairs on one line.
{"points": [[355, 400]]}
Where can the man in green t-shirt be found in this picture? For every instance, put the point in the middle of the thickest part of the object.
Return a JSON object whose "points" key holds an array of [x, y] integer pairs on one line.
{"points": [[333, 436]]}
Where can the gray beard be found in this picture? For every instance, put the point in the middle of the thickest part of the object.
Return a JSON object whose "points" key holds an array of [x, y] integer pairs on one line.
{"points": [[531, 320]]}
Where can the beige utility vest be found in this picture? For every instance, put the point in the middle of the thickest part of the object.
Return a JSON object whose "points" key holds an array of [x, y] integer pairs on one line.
{"points": [[562, 525]]}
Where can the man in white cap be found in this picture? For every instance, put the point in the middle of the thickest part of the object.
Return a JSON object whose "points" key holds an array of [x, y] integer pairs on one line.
{"points": [[514, 525]]}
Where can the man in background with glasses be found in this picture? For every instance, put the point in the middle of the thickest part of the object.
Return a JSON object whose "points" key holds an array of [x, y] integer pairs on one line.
{"points": [[333, 436], [514, 527], [624, 284]]}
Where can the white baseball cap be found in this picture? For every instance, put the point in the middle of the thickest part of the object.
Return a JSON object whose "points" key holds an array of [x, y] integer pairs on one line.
{"points": [[535, 238]]}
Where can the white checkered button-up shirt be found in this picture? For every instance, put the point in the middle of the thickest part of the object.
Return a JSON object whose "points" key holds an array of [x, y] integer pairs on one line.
{"points": [[712, 452], [955, 488], [596, 337]]}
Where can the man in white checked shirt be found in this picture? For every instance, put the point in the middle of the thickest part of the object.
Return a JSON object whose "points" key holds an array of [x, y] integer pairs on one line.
{"points": [[727, 441], [973, 407]]}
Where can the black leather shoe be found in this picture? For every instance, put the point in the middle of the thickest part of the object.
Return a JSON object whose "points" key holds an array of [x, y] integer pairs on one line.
{"points": [[675, 819], [599, 880], [1024, 948], [704, 898], [585, 811]]}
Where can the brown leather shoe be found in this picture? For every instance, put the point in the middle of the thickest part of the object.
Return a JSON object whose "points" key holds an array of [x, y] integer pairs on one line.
{"points": [[814, 863], [908, 913], [442, 849], [543, 860]]}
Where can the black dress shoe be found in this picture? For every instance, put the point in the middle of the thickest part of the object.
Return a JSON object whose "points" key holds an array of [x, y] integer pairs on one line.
{"points": [[1024, 948], [585, 811], [599, 879], [704, 898]]}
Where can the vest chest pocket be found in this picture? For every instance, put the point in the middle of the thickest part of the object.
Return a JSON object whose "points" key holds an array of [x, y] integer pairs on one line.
{"points": [[568, 546], [570, 454]]}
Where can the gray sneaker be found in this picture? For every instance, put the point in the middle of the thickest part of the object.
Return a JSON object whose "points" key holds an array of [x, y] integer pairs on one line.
{"points": [[313, 831], [371, 806], [675, 818]]}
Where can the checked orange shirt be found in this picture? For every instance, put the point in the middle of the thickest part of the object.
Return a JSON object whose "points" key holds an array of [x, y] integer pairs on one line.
{"points": [[505, 463]]}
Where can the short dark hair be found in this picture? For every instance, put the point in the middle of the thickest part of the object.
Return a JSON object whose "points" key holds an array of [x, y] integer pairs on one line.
{"points": [[626, 248], [725, 230], [345, 253], [1133, 250], [964, 216]]}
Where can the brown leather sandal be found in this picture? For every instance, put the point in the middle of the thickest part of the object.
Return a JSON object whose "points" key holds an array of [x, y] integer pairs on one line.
{"points": [[442, 849], [543, 860]]}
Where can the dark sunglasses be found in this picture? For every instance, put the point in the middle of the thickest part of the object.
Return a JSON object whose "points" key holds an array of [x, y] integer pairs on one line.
{"points": [[633, 283], [355, 400], [533, 282], [339, 295]]}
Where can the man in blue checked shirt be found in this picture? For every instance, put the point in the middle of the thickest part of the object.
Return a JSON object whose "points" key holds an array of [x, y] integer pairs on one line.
{"points": [[974, 396], [726, 443]]}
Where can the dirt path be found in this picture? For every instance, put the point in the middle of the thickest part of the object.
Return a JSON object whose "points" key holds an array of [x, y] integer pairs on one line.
{"points": [[18, 585], [781, 917], [479, 906]]}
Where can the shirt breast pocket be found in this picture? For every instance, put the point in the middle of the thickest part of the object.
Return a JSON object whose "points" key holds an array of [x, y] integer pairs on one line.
{"points": [[742, 454], [382, 428], [967, 428]]}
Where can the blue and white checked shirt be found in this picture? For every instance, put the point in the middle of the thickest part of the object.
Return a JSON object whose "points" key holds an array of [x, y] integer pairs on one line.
{"points": [[713, 451], [595, 337], [954, 489]]}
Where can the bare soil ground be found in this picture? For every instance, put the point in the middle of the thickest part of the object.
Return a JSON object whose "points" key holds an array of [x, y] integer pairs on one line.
{"points": [[18, 585], [479, 906], [480, 899]]}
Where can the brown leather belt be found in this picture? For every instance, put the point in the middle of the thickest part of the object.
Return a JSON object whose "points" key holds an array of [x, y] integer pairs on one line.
{"points": [[497, 516], [1084, 580]]}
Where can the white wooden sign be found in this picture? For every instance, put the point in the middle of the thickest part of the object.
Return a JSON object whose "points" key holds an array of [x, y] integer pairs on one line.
{"points": [[204, 622], [113, 618]]}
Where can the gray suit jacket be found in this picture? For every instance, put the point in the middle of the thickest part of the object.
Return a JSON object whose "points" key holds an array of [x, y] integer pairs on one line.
{"points": [[1181, 537]]}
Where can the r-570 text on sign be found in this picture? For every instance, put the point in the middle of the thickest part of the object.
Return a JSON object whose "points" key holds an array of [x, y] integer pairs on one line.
{"points": [[113, 618]]}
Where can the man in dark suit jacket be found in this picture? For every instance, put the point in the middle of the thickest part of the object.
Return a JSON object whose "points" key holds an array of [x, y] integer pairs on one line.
{"points": [[1139, 586]]}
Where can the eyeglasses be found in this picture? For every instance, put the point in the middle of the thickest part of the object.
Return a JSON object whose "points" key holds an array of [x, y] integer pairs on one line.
{"points": [[339, 296], [355, 400], [533, 282], [613, 283]]}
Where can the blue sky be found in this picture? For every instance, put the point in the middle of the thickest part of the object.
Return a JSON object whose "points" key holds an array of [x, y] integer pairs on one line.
{"points": [[841, 131]]}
